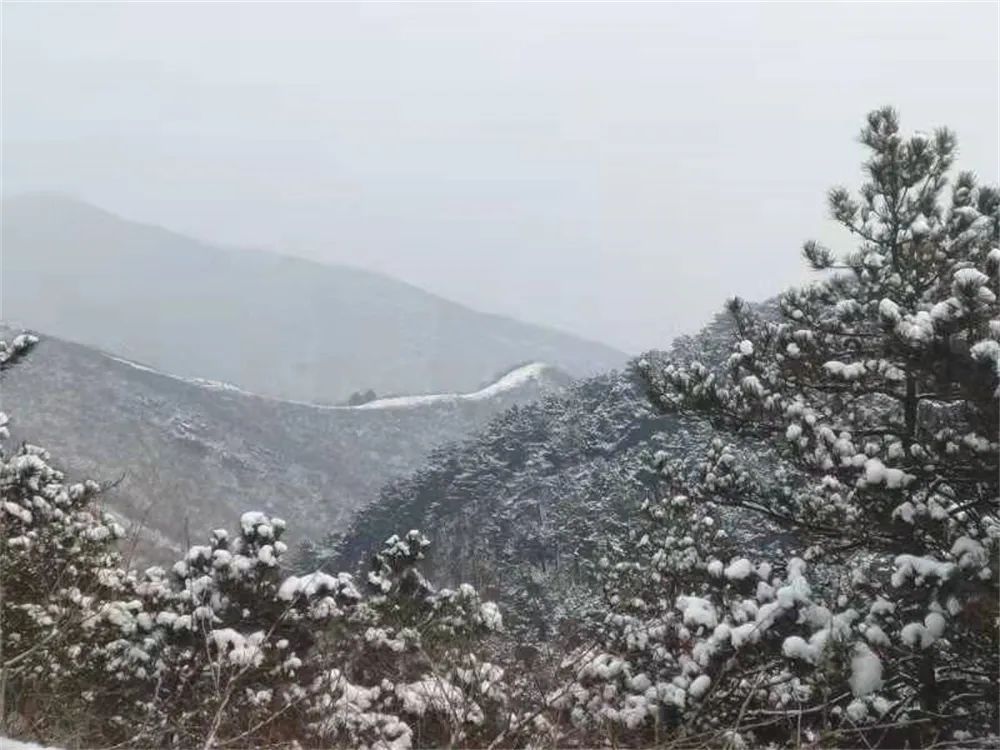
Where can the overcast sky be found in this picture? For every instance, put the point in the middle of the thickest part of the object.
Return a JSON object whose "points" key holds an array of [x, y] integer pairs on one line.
{"points": [[615, 170]]}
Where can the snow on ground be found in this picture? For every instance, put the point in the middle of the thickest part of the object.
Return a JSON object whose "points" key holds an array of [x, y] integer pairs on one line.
{"points": [[513, 379], [9, 744]]}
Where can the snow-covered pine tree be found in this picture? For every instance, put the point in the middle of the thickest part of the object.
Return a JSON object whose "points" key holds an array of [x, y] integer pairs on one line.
{"points": [[880, 383], [407, 666], [877, 387]]}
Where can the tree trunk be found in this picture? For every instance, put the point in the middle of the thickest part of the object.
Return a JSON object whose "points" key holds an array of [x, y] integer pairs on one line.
{"points": [[928, 682], [910, 409]]}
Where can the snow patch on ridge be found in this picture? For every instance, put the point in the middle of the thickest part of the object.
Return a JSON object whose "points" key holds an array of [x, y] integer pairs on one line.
{"points": [[510, 381], [520, 376]]}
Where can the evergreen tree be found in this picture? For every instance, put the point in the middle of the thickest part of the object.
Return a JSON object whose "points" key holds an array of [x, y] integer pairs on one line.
{"points": [[876, 389]]}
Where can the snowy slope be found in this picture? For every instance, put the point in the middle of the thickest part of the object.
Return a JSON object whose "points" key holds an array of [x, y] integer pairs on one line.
{"points": [[193, 455]]}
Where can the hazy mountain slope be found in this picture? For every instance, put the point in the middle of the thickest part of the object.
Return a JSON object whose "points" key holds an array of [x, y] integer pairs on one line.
{"points": [[272, 324], [195, 456]]}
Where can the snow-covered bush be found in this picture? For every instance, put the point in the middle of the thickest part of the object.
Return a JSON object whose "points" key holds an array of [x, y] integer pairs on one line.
{"points": [[59, 574], [407, 664], [246, 653]]}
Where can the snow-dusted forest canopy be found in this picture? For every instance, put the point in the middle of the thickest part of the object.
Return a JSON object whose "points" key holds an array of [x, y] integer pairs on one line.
{"points": [[781, 532]]}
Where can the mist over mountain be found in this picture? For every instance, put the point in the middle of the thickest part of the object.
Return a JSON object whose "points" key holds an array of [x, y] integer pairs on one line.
{"points": [[272, 324], [189, 455]]}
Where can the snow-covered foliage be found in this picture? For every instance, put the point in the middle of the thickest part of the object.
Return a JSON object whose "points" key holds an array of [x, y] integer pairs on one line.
{"points": [[879, 384], [224, 648]]}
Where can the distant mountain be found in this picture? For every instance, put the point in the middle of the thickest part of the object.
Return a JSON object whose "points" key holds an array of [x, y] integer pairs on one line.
{"points": [[272, 324], [193, 455]]}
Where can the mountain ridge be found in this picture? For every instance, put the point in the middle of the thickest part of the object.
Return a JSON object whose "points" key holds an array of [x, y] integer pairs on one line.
{"points": [[507, 381], [271, 323]]}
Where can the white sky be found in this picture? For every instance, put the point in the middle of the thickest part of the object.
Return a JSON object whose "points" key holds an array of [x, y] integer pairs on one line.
{"points": [[615, 170]]}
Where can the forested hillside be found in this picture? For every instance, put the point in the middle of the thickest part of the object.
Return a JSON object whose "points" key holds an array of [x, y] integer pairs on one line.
{"points": [[542, 487], [527, 508]]}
